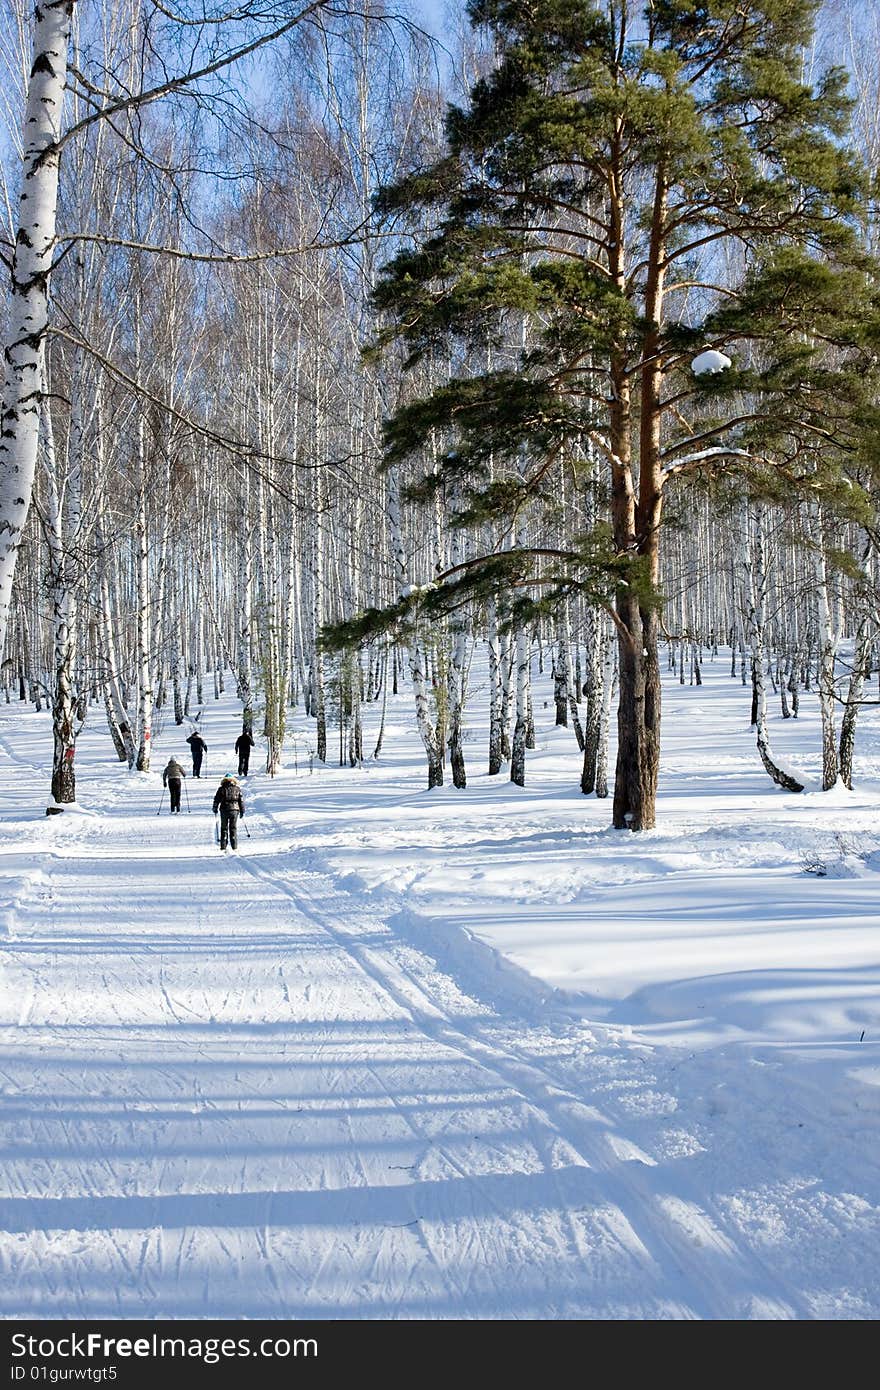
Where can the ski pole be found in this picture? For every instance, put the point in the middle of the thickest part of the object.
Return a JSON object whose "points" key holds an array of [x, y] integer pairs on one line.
{"points": [[186, 789], [159, 812], [216, 829], [246, 831]]}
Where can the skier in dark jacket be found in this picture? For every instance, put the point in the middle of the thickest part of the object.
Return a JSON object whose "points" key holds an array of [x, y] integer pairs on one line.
{"points": [[172, 778], [243, 745], [229, 801], [198, 748]]}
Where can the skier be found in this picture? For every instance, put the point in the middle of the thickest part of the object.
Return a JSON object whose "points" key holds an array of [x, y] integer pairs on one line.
{"points": [[229, 801], [172, 778], [243, 745], [198, 748]]}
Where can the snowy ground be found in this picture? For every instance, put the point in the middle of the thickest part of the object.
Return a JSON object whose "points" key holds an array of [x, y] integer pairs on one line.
{"points": [[445, 1055]]}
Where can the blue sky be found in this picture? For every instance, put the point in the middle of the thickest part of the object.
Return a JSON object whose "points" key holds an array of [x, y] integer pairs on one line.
{"points": [[430, 13]]}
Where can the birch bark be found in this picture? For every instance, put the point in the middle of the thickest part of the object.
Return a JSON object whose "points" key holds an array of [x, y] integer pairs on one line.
{"points": [[29, 284], [427, 731], [753, 575]]}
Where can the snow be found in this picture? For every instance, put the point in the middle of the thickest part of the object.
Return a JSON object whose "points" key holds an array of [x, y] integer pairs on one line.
{"points": [[451, 1054], [710, 362], [801, 778]]}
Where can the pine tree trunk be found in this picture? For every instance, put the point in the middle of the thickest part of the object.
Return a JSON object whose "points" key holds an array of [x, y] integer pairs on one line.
{"points": [[636, 529], [638, 718]]}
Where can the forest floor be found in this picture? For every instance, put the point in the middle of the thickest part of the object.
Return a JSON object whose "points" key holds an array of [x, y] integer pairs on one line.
{"points": [[442, 1055]]}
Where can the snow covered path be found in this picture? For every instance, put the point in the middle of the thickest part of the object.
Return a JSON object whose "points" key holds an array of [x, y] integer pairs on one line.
{"points": [[237, 1096], [232, 1089]]}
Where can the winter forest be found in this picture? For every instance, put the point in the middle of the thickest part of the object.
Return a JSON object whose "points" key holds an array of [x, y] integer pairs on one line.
{"points": [[477, 405], [629, 355]]}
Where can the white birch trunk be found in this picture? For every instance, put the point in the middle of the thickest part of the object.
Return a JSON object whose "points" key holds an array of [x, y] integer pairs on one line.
{"points": [[753, 579], [61, 530], [507, 663], [245, 610], [117, 714], [385, 682], [144, 628], [318, 702], [596, 643], [495, 757], [570, 680], [861, 665], [609, 685], [827, 651], [426, 728], [520, 728], [456, 678], [29, 296]]}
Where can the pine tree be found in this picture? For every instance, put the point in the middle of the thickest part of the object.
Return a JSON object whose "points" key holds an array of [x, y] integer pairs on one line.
{"points": [[622, 192]]}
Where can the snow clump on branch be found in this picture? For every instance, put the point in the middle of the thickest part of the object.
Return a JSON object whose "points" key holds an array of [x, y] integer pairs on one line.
{"points": [[710, 363]]}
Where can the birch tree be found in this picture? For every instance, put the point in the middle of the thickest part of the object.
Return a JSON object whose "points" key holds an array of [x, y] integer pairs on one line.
{"points": [[32, 256], [192, 53]]}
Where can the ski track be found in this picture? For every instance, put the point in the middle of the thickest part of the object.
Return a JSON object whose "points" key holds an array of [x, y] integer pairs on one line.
{"points": [[670, 1230], [230, 1089]]}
